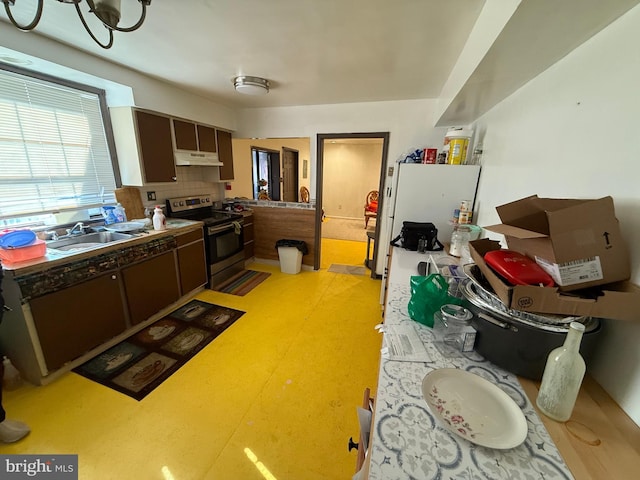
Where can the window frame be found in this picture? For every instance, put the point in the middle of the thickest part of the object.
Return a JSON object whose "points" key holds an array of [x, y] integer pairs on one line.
{"points": [[106, 124]]}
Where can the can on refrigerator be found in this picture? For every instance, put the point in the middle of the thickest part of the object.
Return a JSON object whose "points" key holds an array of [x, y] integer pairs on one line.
{"points": [[458, 141], [430, 155], [464, 218]]}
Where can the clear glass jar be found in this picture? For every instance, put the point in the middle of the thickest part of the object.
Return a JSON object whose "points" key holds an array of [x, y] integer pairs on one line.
{"points": [[450, 323], [459, 240]]}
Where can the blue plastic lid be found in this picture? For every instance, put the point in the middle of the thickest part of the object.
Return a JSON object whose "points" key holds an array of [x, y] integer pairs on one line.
{"points": [[17, 239]]}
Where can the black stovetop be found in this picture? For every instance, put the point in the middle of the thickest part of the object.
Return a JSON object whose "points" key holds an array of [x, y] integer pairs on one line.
{"points": [[200, 208], [208, 216]]}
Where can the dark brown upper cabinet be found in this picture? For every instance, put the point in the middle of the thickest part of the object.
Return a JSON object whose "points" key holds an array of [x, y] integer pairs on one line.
{"points": [[194, 137], [225, 154], [154, 137]]}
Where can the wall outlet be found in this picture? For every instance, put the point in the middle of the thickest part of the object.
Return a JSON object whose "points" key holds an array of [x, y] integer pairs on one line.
{"points": [[151, 195], [339, 207]]}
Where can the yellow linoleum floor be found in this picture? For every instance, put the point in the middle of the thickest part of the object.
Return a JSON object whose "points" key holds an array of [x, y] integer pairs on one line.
{"points": [[273, 397]]}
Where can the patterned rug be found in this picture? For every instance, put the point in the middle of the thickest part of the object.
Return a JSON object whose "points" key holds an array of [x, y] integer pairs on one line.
{"points": [[137, 365], [347, 269], [242, 283]]}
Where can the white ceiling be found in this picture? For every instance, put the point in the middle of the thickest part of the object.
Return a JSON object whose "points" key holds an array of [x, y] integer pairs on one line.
{"points": [[312, 51], [468, 54]]}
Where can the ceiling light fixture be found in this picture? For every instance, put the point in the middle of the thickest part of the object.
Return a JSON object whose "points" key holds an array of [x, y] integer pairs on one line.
{"points": [[251, 85], [107, 11]]}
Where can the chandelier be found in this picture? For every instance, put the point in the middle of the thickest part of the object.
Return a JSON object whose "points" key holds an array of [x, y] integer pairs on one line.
{"points": [[107, 11]]}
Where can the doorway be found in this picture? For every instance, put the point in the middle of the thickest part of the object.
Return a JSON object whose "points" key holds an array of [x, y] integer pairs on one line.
{"points": [[290, 171], [370, 183], [266, 173]]}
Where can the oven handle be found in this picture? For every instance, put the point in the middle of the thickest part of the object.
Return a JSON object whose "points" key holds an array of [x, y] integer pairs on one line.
{"points": [[213, 230]]}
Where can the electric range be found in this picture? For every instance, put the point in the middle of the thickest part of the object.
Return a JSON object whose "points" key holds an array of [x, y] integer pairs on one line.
{"points": [[223, 234]]}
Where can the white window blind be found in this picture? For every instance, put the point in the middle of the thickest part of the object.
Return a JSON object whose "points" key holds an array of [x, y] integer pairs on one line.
{"points": [[54, 153]]}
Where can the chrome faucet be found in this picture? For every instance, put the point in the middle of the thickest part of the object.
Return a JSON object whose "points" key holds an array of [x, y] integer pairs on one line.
{"points": [[77, 229]]}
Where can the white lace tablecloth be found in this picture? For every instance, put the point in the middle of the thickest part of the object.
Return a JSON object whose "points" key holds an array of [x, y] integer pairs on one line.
{"points": [[408, 442]]}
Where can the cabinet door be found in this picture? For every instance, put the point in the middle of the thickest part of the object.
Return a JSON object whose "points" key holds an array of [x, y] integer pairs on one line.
{"points": [[248, 231], [75, 320], [225, 155], [156, 147], [206, 139], [185, 135], [150, 286], [193, 266]]}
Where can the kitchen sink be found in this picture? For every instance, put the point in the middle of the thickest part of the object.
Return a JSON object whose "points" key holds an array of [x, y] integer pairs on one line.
{"points": [[87, 241]]}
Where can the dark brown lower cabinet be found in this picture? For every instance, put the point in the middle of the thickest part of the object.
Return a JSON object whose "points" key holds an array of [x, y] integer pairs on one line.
{"points": [[248, 231], [192, 262], [150, 286], [75, 320]]}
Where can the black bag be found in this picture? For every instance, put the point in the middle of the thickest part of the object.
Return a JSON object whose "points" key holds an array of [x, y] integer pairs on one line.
{"points": [[413, 232]]}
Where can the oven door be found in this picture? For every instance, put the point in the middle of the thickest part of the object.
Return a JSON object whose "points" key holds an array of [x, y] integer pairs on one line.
{"points": [[225, 251]]}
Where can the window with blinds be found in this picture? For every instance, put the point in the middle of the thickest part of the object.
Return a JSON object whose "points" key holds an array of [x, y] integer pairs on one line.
{"points": [[54, 151]]}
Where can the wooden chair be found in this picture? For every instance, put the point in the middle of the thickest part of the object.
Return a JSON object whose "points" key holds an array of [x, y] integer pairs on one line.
{"points": [[370, 207], [304, 194]]}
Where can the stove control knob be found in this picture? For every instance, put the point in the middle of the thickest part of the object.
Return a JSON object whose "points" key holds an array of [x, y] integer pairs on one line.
{"points": [[175, 204], [181, 203]]}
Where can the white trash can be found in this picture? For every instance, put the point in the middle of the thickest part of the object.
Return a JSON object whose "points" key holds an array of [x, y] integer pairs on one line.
{"points": [[290, 259], [290, 253]]}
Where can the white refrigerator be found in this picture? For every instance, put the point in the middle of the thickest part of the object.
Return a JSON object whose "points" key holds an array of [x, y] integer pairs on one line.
{"points": [[428, 193]]}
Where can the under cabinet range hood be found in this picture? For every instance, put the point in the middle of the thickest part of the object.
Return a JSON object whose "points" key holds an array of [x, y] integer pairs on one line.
{"points": [[204, 159]]}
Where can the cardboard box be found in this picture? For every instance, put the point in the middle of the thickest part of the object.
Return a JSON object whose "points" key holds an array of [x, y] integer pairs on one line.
{"points": [[578, 242], [619, 301]]}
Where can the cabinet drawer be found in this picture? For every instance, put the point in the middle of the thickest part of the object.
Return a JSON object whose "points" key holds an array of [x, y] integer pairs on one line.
{"points": [[189, 237]]}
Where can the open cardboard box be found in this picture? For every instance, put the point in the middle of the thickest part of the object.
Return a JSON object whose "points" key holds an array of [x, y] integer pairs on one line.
{"points": [[619, 300], [578, 242]]}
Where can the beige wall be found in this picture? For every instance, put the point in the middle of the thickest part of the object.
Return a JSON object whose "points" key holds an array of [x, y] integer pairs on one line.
{"points": [[350, 172], [242, 185]]}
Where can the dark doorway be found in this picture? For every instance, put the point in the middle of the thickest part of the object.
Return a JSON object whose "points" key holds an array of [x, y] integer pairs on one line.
{"points": [[289, 175], [266, 174], [321, 138]]}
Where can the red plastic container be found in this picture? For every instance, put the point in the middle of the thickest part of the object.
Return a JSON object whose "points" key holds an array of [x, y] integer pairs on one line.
{"points": [[15, 255], [517, 268]]}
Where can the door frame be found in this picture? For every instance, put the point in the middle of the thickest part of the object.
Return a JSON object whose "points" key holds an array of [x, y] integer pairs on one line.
{"points": [[320, 139]]}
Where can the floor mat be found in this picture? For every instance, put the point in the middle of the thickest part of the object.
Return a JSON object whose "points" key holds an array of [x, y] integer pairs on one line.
{"points": [[347, 269], [242, 283], [137, 365]]}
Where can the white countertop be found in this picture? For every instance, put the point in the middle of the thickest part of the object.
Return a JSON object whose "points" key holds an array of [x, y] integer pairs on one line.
{"points": [[407, 440]]}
